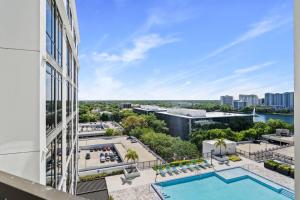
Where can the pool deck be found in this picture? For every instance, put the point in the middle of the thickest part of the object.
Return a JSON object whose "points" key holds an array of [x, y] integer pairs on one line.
{"points": [[139, 188]]}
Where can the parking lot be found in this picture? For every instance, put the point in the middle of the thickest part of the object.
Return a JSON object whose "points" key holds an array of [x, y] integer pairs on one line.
{"points": [[104, 156], [118, 145]]}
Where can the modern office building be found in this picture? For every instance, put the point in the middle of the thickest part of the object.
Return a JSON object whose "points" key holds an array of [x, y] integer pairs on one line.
{"points": [[181, 122], [280, 100], [38, 80], [226, 100], [251, 100]]}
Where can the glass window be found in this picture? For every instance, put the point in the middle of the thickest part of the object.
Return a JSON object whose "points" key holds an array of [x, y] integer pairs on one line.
{"points": [[74, 99], [69, 138], [59, 157], [69, 99], [54, 32], [50, 98], [50, 165], [75, 127], [59, 41], [59, 97], [53, 98], [69, 176], [69, 60]]}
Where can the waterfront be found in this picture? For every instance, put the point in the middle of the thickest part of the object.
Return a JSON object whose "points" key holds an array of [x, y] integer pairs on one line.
{"points": [[265, 117]]}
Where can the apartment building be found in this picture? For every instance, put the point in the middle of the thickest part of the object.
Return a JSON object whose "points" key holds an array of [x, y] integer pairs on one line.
{"points": [[226, 100], [38, 80], [280, 100], [251, 100]]}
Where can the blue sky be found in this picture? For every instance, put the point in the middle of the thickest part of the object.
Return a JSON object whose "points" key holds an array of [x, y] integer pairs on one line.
{"points": [[184, 49]]}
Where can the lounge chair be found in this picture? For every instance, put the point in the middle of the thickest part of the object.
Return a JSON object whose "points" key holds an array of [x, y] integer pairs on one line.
{"points": [[202, 165], [207, 164], [175, 170], [196, 166], [182, 168], [169, 170], [162, 172], [190, 167]]}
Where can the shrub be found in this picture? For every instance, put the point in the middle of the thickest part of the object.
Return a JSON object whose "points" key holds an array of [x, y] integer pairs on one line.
{"points": [[178, 163], [271, 164], [99, 176], [234, 158], [284, 169]]}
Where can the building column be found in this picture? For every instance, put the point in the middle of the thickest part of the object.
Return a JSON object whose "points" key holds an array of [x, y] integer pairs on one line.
{"points": [[297, 95]]}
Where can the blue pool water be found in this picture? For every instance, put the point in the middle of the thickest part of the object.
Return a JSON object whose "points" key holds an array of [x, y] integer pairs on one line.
{"points": [[213, 186]]}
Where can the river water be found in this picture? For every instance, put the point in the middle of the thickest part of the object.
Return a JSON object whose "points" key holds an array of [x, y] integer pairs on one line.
{"points": [[266, 117]]}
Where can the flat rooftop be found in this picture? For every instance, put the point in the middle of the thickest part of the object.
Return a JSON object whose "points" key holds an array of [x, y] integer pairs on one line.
{"points": [[120, 143], [278, 138], [150, 108], [212, 142], [208, 115]]}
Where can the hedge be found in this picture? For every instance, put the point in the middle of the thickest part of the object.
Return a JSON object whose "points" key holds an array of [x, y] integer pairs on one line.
{"points": [[178, 163], [99, 176]]}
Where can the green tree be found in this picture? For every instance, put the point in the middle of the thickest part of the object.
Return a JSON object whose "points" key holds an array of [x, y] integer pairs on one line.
{"points": [[133, 122], [154, 123], [131, 155], [184, 150], [109, 132], [104, 117], [221, 143]]}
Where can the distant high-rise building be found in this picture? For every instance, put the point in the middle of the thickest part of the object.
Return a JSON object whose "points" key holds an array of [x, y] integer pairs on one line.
{"points": [[226, 100], [239, 105], [38, 78], [251, 100], [280, 100]]}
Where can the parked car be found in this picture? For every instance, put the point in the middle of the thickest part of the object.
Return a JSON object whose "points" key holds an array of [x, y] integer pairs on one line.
{"points": [[133, 141], [91, 150], [87, 156], [102, 159], [129, 138], [107, 158]]}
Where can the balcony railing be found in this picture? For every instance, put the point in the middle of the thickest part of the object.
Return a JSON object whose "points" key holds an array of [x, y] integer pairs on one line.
{"points": [[14, 187]]}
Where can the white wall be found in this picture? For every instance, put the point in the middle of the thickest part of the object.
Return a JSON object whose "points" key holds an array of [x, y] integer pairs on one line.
{"points": [[207, 147], [19, 85], [297, 96]]}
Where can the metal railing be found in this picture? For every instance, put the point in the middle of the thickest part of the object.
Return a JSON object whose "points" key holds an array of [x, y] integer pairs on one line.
{"points": [[268, 154], [148, 164]]}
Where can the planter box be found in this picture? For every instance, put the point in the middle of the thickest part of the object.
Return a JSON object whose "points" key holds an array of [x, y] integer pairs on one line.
{"points": [[131, 172], [282, 171], [292, 174], [268, 166]]}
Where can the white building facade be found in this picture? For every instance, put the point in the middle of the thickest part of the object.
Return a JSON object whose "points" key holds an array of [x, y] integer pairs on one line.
{"points": [[38, 75], [251, 100]]}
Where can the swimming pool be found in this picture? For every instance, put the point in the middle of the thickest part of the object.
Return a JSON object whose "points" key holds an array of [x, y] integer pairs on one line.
{"points": [[232, 184]]}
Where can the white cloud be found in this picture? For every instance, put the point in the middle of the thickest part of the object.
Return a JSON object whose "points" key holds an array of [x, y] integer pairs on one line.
{"points": [[252, 68], [141, 46], [256, 30]]}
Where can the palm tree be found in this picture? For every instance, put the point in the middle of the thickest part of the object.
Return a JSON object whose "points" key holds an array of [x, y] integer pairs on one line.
{"points": [[131, 155], [219, 143]]}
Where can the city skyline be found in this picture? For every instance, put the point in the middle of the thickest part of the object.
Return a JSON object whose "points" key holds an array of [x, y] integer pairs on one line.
{"points": [[151, 51]]}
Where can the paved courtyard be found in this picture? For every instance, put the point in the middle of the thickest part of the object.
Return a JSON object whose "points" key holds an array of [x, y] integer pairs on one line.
{"points": [[251, 147], [288, 151]]}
